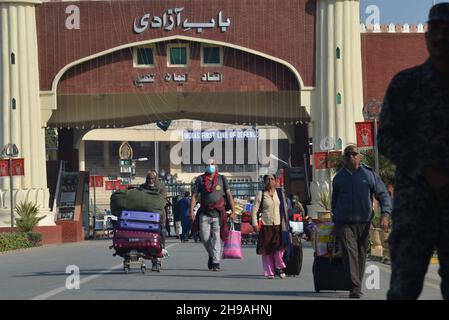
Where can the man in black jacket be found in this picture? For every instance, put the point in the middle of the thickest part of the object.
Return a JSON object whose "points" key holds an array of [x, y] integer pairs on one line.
{"points": [[414, 135], [352, 205]]}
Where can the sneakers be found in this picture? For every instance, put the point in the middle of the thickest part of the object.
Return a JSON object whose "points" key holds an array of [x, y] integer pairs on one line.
{"points": [[354, 295], [215, 267], [269, 277], [210, 263]]}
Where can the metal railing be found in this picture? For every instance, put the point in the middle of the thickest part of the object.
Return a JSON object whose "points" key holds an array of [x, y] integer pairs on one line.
{"points": [[238, 189], [199, 168]]}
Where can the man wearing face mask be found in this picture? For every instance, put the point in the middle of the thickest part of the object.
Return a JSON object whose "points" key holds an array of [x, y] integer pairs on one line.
{"points": [[414, 135], [212, 188]]}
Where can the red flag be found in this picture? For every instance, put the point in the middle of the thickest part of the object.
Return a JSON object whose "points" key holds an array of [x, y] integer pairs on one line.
{"points": [[117, 185], [365, 134], [4, 168], [99, 181], [280, 179], [18, 167], [319, 160], [109, 185]]}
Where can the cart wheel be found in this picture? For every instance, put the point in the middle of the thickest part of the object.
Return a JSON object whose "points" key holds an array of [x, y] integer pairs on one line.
{"points": [[143, 269], [126, 270]]}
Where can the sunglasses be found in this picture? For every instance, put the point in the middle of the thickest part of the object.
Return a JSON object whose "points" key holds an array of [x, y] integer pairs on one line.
{"points": [[348, 154]]}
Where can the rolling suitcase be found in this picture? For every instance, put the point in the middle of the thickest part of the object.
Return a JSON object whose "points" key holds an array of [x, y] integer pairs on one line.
{"points": [[294, 263], [139, 226], [140, 216], [329, 274], [142, 241]]}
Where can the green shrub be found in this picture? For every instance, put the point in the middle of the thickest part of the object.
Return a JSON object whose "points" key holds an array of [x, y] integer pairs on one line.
{"points": [[19, 240], [28, 212], [324, 200], [35, 238], [13, 241]]}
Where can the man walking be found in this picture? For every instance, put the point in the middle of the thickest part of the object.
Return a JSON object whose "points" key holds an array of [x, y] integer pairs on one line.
{"points": [[184, 208], [212, 188], [152, 183], [352, 206], [414, 135], [177, 218]]}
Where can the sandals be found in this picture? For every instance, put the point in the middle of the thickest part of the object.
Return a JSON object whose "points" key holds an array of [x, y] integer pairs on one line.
{"points": [[280, 273]]}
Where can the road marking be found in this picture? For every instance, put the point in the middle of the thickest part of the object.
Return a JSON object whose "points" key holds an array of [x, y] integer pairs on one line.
{"points": [[426, 282], [56, 291]]}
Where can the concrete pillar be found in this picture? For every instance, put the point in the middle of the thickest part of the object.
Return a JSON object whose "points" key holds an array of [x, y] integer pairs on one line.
{"points": [[82, 156], [338, 73], [20, 116], [339, 91]]}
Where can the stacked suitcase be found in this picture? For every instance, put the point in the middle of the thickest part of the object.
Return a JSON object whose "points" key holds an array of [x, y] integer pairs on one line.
{"points": [[329, 274], [293, 264], [328, 270], [138, 232]]}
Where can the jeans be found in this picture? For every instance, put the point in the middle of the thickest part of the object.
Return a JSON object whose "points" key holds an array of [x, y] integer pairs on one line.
{"points": [[210, 235]]}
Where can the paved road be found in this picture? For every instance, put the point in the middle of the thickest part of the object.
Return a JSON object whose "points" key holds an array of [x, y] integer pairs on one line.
{"points": [[40, 274]]}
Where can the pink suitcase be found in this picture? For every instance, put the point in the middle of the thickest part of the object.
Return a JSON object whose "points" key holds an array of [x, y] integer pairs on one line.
{"points": [[148, 243]]}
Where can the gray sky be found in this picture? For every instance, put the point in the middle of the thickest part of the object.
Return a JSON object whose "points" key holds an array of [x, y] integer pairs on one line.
{"points": [[399, 11]]}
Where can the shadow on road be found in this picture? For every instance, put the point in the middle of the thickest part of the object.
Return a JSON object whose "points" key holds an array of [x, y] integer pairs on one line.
{"points": [[217, 293], [205, 273]]}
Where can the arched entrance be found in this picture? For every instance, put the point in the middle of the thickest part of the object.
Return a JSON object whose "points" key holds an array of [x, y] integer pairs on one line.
{"points": [[255, 89]]}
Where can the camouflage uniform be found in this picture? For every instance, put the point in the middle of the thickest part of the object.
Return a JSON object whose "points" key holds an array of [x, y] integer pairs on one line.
{"points": [[414, 133]]}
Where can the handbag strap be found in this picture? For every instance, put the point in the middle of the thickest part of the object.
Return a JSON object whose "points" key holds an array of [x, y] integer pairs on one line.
{"points": [[282, 208], [261, 202]]}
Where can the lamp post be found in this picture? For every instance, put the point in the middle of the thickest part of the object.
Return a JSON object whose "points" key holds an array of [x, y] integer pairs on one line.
{"points": [[94, 218], [11, 151]]}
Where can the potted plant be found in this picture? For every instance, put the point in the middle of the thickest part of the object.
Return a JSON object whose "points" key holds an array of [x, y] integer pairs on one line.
{"points": [[28, 212], [324, 202]]}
